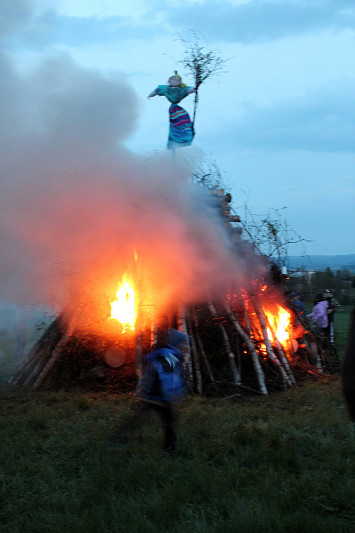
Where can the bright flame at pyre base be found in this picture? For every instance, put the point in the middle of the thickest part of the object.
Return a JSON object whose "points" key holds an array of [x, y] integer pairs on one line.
{"points": [[123, 308], [280, 322]]}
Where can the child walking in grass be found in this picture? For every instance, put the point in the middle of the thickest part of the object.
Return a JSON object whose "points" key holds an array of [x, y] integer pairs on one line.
{"points": [[160, 387]]}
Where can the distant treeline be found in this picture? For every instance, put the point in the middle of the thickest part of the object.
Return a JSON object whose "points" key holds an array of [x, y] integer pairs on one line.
{"points": [[308, 284], [322, 262]]}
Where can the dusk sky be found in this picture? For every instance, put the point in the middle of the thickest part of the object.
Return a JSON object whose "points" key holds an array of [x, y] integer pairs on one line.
{"points": [[279, 122]]}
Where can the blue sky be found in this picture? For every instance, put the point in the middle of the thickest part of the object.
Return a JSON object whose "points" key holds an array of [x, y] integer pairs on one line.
{"points": [[279, 122]]}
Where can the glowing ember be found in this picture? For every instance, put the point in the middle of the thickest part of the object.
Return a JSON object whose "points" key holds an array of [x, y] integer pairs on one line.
{"points": [[123, 308], [279, 323]]}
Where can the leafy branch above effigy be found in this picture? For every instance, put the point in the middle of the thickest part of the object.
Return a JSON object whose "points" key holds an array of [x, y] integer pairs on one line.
{"points": [[202, 64]]}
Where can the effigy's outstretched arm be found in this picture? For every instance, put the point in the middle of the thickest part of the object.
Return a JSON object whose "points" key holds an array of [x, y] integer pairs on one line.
{"points": [[190, 90]]}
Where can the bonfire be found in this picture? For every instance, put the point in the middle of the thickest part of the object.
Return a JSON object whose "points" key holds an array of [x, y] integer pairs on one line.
{"points": [[248, 340]]}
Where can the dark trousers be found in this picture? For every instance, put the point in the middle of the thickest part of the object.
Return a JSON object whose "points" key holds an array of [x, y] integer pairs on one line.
{"points": [[137, 417], [349, 396], [167, 416]]}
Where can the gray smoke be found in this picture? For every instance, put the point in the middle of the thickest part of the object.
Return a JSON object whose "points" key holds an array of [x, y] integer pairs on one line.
{"points": [[78, 209]]}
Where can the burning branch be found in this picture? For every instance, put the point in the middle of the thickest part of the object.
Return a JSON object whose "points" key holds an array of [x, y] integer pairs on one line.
{"points": [[269, 350], [280, 350]]}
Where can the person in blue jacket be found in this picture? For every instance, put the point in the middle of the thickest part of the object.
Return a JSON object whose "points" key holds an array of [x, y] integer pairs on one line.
{"points": [[159, 388], [162, 381], [298, 306]]}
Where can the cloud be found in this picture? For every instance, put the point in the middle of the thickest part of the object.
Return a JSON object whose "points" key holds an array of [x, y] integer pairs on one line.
{"points": [[25, 24], [14, 17], [321, 120], [51, 28], [249, 22], [259, 20]]}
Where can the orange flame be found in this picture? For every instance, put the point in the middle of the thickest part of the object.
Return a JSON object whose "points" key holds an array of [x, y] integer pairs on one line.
{"points": [[280, 322], [124, 308]]}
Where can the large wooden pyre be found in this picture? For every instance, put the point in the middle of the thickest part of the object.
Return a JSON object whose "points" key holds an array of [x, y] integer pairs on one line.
{"points": [[234, 343]]}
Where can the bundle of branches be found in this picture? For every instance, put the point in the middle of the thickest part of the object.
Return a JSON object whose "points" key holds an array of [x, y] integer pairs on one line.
{"points": [[235, 344], [65, 357], [233, 350], [202, 64]]}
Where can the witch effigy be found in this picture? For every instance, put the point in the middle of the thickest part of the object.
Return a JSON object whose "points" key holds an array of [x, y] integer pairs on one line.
{"points": [[181, 132]]}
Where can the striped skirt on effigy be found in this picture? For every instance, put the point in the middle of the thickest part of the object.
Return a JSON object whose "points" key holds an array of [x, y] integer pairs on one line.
{"points": [[180, 132]]}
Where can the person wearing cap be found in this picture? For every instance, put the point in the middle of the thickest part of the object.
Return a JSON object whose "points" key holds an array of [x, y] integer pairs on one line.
{"points": [[297, 305], [159, 388], [332, 307]]}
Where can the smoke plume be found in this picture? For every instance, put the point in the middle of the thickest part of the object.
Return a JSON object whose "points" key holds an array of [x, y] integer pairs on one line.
{"points": [[78, 210]]}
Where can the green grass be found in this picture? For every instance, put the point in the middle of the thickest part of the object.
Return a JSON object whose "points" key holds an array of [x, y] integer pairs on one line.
{"points": [[275, 464], [341, 327], [282, 463]]}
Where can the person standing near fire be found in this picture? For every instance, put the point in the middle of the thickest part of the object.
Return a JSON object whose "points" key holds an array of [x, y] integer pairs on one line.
{"points": [[297, 305], [319, 315], [159, 388], [332, 308]]}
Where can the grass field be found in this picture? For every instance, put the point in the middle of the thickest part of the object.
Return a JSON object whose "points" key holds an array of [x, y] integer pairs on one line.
{"points": [[341, 327], [283, 463], [276, 464]]}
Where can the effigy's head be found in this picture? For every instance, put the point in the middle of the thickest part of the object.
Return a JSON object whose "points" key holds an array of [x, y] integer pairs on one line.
{"points": [[175, 81]]}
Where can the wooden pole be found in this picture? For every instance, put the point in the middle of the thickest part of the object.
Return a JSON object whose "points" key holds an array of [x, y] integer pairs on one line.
{"points": [[181, 326], [227, 347], [245, 313], [194, 114], [201, 349], [281, 353], [153, 334], [195, 359], [314, 351], [39, 353], [251, 348], [35, 370], [56, 353], [139, 352], [270, 352]]}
